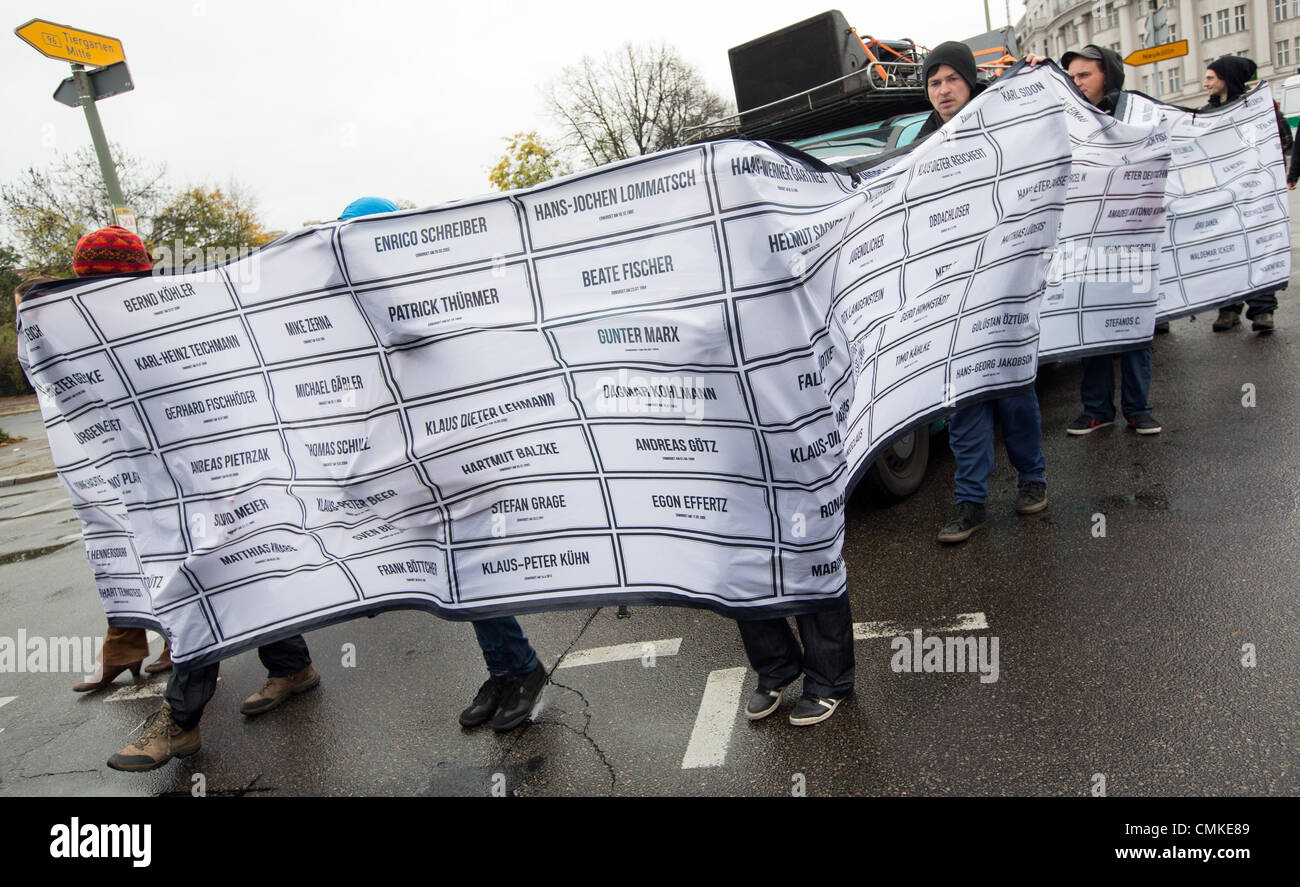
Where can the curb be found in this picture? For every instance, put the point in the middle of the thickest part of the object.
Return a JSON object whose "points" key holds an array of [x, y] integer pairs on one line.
{"points": [[15, 479]]}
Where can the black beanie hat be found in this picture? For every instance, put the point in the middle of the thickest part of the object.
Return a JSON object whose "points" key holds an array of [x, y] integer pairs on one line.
{"points": [[1234, 70], [956, 55]]}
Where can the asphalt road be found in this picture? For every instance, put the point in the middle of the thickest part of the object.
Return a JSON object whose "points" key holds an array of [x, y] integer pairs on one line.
{"points": [[1120, 656]]}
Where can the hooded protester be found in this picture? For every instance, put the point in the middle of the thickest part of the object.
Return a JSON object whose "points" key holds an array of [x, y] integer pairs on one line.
{"points": [[1098, 73], [951, 81], [1225, 80]]}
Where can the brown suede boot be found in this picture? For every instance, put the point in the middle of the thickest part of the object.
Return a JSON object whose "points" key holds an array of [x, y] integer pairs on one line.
{"points": [[162, 663], [161, 740], [277, 690]]}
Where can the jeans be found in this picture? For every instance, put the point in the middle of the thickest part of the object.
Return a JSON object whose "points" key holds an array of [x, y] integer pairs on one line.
{"points": [[970, 434], [505, 649], [1098, 388], [826, 658], [189, 692]]}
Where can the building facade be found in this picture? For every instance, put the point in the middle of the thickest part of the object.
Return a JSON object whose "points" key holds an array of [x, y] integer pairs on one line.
{"points": [[1267, 31]]}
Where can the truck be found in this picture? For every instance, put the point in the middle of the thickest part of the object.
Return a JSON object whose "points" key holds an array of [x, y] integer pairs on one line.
{"points": [[844, 97]]}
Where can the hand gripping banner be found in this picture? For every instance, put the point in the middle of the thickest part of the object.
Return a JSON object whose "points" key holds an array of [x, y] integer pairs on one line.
{"points": [[1228, 218], [651, 382]]}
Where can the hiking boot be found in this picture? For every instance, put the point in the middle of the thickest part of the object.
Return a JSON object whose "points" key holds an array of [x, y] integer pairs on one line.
{"points": [[966, 519], [813, 709], [519, 699], [1086, 424], [1262, 322], [486, 701], [1032, 498], [763, 702], [277, 690], [162, 740], [1226, 320], [1145, 424]]}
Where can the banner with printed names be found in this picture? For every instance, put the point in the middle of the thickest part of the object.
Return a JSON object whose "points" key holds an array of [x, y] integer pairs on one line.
{"points": [[651, 382], [1228, 219]]}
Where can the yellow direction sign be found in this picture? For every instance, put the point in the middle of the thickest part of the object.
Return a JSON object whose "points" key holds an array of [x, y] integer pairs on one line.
{"points": [[70, 45], [1174, 50]]}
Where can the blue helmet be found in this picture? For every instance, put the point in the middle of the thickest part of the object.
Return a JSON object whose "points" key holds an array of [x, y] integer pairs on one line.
{"points": [[367, 206]]}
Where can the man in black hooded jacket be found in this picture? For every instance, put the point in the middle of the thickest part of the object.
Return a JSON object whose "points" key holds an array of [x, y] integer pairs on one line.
{"points": [[1225, 80], [1098, 73], [951, 81]]}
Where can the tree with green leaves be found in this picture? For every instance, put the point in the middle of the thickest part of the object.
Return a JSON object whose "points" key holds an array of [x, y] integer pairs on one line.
{"points": [[636, 101], [529, 160]]}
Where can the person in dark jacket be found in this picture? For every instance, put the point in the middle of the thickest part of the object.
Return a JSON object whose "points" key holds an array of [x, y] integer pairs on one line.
{"points": [[1225, 81], [951, 81], [1098, 73]]}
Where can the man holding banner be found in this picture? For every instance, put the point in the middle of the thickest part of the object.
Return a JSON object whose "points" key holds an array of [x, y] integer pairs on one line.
{"points": [[1098, 73], [951, 81]]}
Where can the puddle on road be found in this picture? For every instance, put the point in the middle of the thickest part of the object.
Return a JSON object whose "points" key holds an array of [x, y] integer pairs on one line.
{"points": [[32, 554]]}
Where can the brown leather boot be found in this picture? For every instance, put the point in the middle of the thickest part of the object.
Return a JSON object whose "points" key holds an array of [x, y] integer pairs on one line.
{"points": [[162, 663], [277, 690], [161, 740], [103, 677]]}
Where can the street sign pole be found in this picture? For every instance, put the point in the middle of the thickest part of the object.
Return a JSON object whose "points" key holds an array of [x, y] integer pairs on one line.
{"points": [[106, 167]]}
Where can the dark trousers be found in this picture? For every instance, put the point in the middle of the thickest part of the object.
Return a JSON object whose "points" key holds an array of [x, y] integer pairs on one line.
{"points": [[188, 692], [826, 658], [506, 650], [1264, 303], [1098, 388]]}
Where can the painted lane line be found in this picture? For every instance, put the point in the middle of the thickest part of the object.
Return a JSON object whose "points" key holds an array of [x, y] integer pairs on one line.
{"points": [[717, 718], [887, 629], [5, 700], [619, 652]]}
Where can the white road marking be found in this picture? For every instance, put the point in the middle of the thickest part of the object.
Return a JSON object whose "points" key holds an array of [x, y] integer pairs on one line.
{"points": [[886, 629], [717, 718], [5, 700], [153, 689], [619, 652]]}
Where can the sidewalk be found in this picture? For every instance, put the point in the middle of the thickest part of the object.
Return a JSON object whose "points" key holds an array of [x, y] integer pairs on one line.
{"points": [[29, 459]]}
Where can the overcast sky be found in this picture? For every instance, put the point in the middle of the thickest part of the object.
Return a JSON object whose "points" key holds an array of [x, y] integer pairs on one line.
{"points": [[311, 104]]}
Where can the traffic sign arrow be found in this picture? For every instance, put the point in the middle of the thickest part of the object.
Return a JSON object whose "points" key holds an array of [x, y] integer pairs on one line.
{"points": [[71, 45], [1174, 50]]}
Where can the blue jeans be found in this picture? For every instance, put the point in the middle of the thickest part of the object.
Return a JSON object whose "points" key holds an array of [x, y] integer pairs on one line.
{"points": [[505, 649], [970, 434], [1098, 388]]}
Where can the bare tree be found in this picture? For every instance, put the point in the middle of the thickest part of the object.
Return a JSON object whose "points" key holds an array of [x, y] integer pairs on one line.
{"points": [[638, 100]]}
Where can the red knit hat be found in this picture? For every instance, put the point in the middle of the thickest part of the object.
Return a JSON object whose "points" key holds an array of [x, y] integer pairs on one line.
{"points": [[111, 250]]}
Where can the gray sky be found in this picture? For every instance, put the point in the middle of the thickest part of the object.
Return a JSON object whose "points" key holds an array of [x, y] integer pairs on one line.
{"points": [[311, 104]]}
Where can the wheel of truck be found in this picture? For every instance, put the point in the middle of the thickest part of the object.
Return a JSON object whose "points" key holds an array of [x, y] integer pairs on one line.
{"points": [[899, 471]]}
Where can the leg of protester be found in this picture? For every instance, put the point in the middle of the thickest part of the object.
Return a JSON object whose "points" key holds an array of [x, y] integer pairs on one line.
{"points": [[1022, 435], [516, 676], [970, 436], [825, 659], [1135, 390]]}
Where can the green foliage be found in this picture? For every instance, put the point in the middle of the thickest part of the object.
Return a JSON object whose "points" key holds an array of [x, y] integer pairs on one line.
{"points": [[202, 222], [12, 380], [528, 161]]}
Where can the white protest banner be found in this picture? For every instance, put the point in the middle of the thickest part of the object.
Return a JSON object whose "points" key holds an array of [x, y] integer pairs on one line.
{"points": [[1228, 218], [650, 382]]}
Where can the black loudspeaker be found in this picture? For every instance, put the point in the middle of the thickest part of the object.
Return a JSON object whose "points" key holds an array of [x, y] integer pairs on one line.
{"points": [[794, 59]]}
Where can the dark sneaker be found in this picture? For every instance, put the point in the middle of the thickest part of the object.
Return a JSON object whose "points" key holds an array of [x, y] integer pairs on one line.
{"points": [[763, 702], [1262, 323], [162, 739], [519, 699], [966, 519], [1145, 424], [1086, 424], [1226, 320], [276, 690], [1162, 327], [1032, 498], [812, 709], [486, 701]]}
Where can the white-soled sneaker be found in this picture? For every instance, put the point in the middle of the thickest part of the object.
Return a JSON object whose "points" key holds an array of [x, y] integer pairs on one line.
{"points": [[812, 709]]}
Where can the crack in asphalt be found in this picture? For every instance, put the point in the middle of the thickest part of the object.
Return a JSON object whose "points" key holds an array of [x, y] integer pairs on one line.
{"points": [[586, 712], [55, 773]]}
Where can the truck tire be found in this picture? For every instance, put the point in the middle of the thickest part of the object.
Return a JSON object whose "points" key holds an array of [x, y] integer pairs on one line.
{"points": [[900, 470]]}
